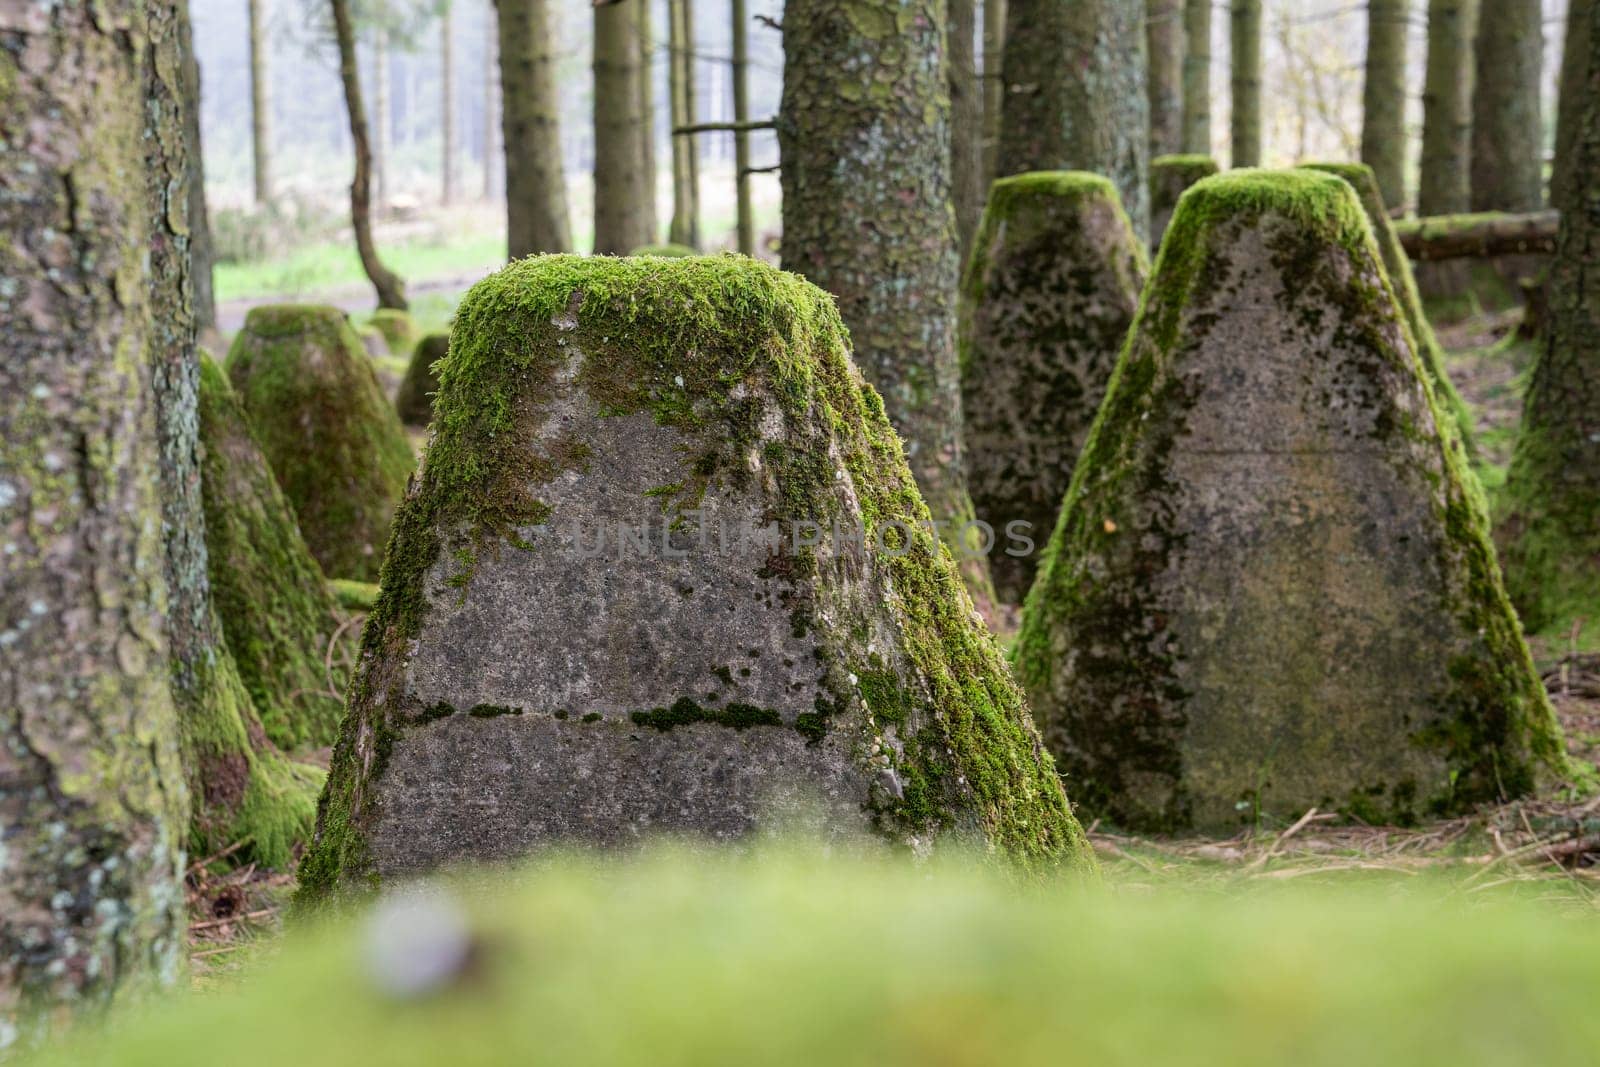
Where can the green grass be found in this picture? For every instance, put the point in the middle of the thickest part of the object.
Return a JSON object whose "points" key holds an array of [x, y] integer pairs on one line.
{"points": [[325, 265], [802, 956]]}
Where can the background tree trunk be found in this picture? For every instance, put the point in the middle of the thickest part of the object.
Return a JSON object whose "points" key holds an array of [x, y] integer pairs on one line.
{"points": [[201, 250], [866, 212], [620, 224], [391, 290], [1383, 99], [1164, 37], [968, 184], [994, 85], [93, 804], [1570, 104], [685, 228], [1245, 31], [741, 137], [1444, 186], [260, 99], [647, 116], [1075, 94], [1507, 130], [1197, 77], [447, 109], [536, 184]]}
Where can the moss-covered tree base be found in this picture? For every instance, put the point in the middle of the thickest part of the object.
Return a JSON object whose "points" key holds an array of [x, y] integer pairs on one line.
{"points": [[413, 400]]}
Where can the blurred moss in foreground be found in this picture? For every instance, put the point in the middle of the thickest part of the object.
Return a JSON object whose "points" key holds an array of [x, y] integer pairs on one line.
{"points": [[794, 956]]}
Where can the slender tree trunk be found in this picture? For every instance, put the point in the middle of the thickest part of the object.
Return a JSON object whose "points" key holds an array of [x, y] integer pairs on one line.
{"points": [[685, 229], [994, 85], [93, 802], [1245, 26], [447, 108], [1570, 104], [1383, 99], [968, 185], [868, 218], [1550, 526], [1197, 77], [201, 249], [391, 290], [647, 116], [1075, 94], [620, 223], [1507, 129], [1164, 85], [536, 183], [1444, 186], [741, 138], [491, 83], [260, 99], [380, 117]]}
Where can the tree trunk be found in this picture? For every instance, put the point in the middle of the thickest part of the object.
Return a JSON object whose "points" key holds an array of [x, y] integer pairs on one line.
{"points": [[1383, 99], [1488, 235], [201, 250], [447, 109], [1246, 60], [380, 116], [1570, 104], [994, 86], [93, 802], [1075, 94], [1444, 186], [620, 224], [536, 184], [1550, 525], [647, 116], [1507, 130], [969, 188], [260, 99], [1197, 77], [867, 214], [741, 137], [685, 228], [391, 290], [1164, 85]]}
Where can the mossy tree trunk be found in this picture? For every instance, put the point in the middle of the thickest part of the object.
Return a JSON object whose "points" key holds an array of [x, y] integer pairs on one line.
{"points": [[1075, 94], [201, 250], [536, 187], [1197, 77], [994, 86], [967, 181], [1383, 98], [1164, 83], [864, 133], [1507, 130], [647, 115], [260, 99], [1551, 519], [620, 222], [685, 227], [1245, 34], [741, 137], [447, 107], [391, 290], [93, 804], [1570, 105], [1443, 186]]}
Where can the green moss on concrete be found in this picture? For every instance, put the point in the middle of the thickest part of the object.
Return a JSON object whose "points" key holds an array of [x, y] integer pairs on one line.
{"points": [[685, 712], [671, 251], [398, 329], [413, 400], [335, 444], [714, 325]]}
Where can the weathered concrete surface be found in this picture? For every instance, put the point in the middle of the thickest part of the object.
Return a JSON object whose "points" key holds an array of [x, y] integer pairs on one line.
{"points": [[1053, 285], [1271, 588], [538, 670]]}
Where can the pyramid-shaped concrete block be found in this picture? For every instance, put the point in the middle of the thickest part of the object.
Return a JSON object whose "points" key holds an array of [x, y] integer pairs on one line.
{"points": [[1170, 177], [1271, 588], [664, 570], [1052, 287]]}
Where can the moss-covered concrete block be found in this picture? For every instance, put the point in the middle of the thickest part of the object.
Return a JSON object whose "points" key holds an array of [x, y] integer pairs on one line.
{"points": [[398, 329], [1053, 284], [414, 399], [605, 613], [1271, 586], [334, 441], [276, 609], [1170, 176], [672, 251]]}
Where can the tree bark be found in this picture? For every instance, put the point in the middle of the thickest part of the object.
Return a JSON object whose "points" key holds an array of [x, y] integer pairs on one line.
{"points": [[1164, 85], [1245, 29], [92, 794], [1550, 525], [1383, 99], [201, 249], [1570, 104], [1075, 95], [864, 133], [536, 184], [260, 99], [1487, 235], [647, 116], [391, 290], [969, 187], [1444, 186], [1507, 129], [620, 224], [685, 228], [994, 85], [1197, 77], [741, 138], [447, 109]]}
